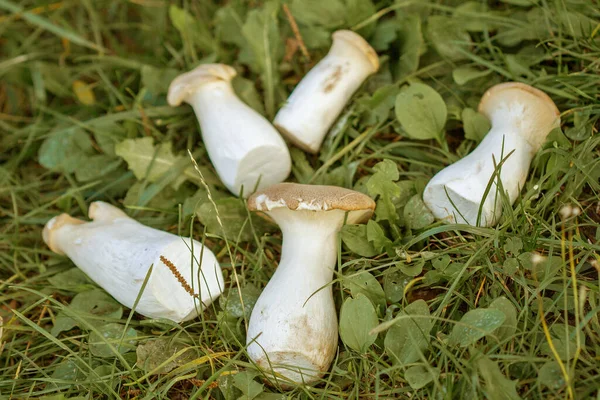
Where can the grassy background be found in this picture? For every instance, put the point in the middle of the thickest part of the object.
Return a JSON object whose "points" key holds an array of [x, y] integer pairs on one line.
{"points": [[80, 78]]}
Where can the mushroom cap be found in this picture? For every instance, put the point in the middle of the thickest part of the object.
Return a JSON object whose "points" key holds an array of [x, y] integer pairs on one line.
{"points": [[187, 83], [295, 196], [534, 110], [359, 42]]}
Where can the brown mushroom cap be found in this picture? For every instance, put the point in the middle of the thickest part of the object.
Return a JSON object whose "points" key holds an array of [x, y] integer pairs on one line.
{"points": [[187, 83], [359, 42], [295, 196], [539, 113]]}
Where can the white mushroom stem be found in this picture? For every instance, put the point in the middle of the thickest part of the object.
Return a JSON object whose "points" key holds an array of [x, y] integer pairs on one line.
{"points": [[521, 118], [321, 95], [293, 328], [117, 252], [245, 149]]}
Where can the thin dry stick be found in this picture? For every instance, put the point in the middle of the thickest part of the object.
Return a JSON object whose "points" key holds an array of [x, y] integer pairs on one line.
{"points": [[179, 277], [296, 31]]}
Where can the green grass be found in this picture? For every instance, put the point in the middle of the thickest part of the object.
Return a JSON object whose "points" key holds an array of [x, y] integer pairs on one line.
{"points": [[57, 154]]}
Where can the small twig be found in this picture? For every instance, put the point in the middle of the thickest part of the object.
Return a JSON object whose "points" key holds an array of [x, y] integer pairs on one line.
{"points": [[179, 277], [296, 31], [480, 291]]}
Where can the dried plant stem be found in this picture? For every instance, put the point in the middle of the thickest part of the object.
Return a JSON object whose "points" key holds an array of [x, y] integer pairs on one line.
{"points": [[296, 31], [179, 277]]}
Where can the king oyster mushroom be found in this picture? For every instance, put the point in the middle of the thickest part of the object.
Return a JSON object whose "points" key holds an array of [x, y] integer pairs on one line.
{"points": [[322, 94], [116, 252], [521, 118], [245, 149], [293, 327]]}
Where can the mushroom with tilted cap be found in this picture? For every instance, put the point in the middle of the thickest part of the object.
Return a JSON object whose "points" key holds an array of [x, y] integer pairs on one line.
{"points": [[116, 252], [323, 93], [293, 327], [245, 149], [521, 118]]}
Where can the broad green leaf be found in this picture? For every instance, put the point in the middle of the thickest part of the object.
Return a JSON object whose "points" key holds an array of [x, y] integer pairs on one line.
{"points": [[376, 236], [87, 306], [355, 239], [513, 245], [357, 11], [193, 203], [419, 376], [421, 111], [565, 347], [151, 162], [108, 134], [476, 125], [412, 269], [156, 352], [157, 80], [364, 282], [72, 280], [510, 266], [376, 108], [496, 385], [191, 29], [65, 151], [382, 184], [394, 282], [261, 31], [462, 75], [111, 334], [386, 32], [448, 36], [70, 370], [416, 213], [509, 326], [232, 304], [409, 336], [146, 160], [474, 325], [229, 22], [246, 383], [329, 14], [472, 16], [357, 319], [551, 376], [96, 166], [441, 263], [412, 44]]}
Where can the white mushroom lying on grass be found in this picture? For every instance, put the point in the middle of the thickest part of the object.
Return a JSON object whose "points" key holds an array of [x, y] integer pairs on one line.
{"points": [[117, 252], [321, 95], [293, 327], [521, 118], [245, 149]]}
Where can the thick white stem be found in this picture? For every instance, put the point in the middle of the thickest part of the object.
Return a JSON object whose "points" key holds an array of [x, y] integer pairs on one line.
{"points": [[464, 183], [321, 95], [116, 252], [245, 149], [293, 328], [521, 118]]}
